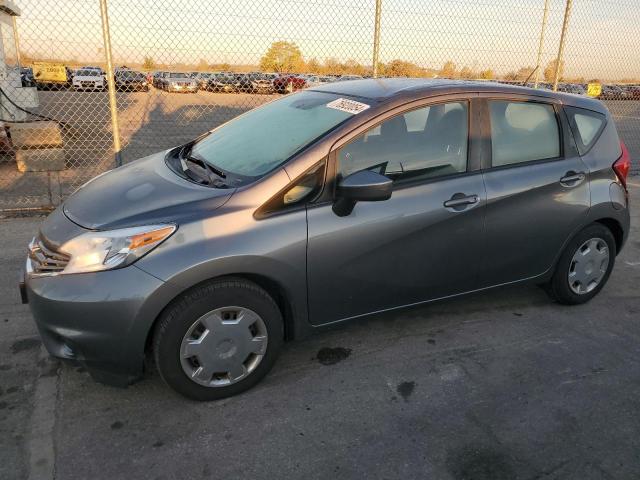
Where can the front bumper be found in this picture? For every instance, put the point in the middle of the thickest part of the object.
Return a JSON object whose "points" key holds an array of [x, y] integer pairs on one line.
{"points": [[88, 86], [222, 87], [100, 320]]}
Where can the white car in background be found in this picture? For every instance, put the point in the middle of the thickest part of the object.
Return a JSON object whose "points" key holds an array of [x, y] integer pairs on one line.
{"points": [[89, 79], [316, 80]]}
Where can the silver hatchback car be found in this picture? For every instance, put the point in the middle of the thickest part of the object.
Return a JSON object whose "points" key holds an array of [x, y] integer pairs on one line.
{"points": [[329, 204]]}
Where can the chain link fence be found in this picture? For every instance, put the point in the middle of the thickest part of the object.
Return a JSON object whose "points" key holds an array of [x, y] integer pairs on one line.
{"points": [[182, 67]]}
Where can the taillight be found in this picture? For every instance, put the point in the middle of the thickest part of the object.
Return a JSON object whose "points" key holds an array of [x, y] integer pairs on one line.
{"points": [[623, 165]]}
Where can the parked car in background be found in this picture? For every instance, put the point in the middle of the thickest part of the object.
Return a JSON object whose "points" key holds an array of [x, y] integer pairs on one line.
{"points": [[255, 82], [157, 79], [131, 81], [54, 85], [223, 82], [179, 82], [89, 79], [573, 88], [317, 80], [287, 83], [243, 82], [202, 78], [26, 77], [633, 91], [89, 67], [210, 255], [613, 92], [349, 77]]}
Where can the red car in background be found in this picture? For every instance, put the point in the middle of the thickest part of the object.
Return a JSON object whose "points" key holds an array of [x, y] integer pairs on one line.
{"points": [[287, 83]]}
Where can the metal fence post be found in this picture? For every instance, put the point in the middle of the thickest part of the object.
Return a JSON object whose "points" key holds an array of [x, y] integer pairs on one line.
{"points": [[541, 45], [376, 39], [16, 40], [565, 24], [106, 37]]}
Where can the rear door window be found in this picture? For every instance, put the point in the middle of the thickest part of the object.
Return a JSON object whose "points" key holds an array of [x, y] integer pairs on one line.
{"points": [[586, 125], [523, 132]]}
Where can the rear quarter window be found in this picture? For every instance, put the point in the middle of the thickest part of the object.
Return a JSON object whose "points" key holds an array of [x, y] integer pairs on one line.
{"points": [[586, 125]]}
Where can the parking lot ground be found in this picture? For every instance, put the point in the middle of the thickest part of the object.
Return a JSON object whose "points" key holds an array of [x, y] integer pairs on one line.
{"points": [[498, 385]]}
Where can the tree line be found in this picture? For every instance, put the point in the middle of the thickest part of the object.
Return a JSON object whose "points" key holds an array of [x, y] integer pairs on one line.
{"points": [[286, 57]]}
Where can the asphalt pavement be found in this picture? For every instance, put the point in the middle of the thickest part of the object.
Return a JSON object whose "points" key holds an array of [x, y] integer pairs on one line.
{"points": [[499, 385]]}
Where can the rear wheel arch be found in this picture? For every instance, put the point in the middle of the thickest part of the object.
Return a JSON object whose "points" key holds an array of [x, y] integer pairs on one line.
{"points": [[558, 284], [615, 228]]}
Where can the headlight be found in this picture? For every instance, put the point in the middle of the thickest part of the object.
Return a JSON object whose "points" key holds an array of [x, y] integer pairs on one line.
{"points": [[95, 251]]}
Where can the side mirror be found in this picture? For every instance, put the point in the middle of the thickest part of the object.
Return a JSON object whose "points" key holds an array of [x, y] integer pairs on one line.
{"points": [[362, 186]]}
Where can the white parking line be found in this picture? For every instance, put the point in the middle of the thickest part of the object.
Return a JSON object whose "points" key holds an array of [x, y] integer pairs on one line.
{"points": [[40, 446]]}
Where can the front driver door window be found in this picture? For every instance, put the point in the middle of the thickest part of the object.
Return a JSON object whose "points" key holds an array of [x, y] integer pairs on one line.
{"points": [[417, 145]]}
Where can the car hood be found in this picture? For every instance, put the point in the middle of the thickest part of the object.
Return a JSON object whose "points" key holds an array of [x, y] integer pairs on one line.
{"points": [[87, 77], [141, 193]]}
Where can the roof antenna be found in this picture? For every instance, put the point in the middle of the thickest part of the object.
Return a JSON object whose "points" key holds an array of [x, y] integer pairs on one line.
{"points": [[524, 84]]}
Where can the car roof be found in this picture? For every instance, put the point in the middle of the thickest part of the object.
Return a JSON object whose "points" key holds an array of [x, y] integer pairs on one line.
{"points": [[384, 89]]}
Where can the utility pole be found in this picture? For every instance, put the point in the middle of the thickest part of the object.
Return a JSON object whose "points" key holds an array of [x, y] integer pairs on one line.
{"points": [[565, 24], [541, 46], [376, 39], [106, 37]]}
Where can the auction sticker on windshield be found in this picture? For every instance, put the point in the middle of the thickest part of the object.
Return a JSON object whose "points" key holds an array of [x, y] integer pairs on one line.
{"points": [[349, 106]]}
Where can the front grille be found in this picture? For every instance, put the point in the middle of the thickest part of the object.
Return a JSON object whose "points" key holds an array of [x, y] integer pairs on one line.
{"points": [[44, 259], [87, 84]]}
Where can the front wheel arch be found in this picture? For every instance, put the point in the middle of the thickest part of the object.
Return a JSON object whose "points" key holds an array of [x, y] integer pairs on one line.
{"points": [[273, 288]]}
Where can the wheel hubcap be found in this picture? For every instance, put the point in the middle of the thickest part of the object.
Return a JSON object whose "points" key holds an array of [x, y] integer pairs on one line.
{"points": [[223, 346], [588, 266]]}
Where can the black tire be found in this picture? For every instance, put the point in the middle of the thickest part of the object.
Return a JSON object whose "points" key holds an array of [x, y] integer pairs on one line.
{"points": [[185, 310], [558, 288]]}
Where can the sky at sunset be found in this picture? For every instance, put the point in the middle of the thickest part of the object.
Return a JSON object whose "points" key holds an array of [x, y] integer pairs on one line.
{"points": [[602, 41]]}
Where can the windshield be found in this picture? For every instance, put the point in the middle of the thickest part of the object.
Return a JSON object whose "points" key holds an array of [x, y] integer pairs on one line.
{"points": [[131, 75], [178, 75], [88, 73], [262, 139]]}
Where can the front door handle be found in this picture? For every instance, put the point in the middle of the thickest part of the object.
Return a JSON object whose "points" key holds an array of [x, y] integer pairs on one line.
{"points": [[459, 201], [571, 179]]}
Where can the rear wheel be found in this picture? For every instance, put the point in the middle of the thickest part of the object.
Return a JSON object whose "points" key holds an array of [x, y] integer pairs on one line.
{"points": [[584, 266], [218, 339]]}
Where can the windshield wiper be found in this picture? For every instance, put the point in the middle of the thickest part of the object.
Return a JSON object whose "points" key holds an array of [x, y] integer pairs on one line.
{"points": [[204, 171], [212, 175], [206, 165]]}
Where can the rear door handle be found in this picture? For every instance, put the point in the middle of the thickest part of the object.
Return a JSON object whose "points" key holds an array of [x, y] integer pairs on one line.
{"points": [[571, 179], [460, 200]]}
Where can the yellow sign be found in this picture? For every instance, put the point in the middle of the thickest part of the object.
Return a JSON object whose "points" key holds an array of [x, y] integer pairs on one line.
{"points": [[594, 89], [49, 72]]}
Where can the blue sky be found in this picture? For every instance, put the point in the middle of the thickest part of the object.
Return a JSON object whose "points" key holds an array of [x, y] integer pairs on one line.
{"points": [[603, 39]]}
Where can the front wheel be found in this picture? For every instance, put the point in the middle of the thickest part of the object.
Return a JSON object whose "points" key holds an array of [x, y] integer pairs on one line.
{"points": [[584, 266], [218, 339]]}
